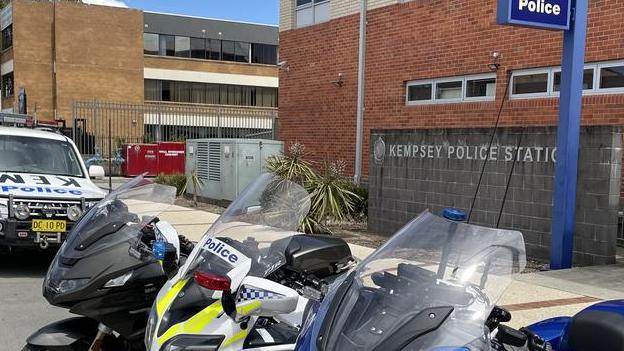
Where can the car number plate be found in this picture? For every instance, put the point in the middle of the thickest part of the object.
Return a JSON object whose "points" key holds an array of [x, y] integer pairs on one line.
{"points": [[49, 226]]}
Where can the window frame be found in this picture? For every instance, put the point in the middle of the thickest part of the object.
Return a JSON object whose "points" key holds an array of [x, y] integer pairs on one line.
{"points": [[591, 91], [462, 99], [598, 75], [528, 72], [312, 4]]}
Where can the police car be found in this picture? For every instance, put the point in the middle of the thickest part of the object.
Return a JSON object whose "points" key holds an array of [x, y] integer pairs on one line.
{"points": [[44, 187]]}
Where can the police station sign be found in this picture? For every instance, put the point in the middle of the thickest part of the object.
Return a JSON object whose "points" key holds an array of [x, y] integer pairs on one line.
{"points": [[546, 14]]}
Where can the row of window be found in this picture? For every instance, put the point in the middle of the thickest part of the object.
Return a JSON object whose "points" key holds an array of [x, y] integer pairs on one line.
{"points": [[606, 77], [309, 12], [210, 49], [7, 85], [7, 37], [206, 93], [456, 89]]}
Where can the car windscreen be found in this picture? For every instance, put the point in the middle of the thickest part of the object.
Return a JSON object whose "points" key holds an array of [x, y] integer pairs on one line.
{"points": [[37, 155]]}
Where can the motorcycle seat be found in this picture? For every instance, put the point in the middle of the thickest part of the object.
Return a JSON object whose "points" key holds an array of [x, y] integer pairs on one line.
{"points": [[593, 330]]}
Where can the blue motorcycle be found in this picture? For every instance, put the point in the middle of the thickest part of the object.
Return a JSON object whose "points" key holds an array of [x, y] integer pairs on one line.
{"points": [[597, 328], [433, 286]]}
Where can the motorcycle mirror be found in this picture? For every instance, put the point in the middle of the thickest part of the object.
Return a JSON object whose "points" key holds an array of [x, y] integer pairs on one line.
{"points": [[510, 336], [213, 281]]}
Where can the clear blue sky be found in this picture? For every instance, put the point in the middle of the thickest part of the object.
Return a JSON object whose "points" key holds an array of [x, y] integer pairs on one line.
{"points": [[260, 11]]}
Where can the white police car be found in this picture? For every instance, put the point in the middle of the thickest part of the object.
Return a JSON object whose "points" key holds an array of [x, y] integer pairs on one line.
{"points": [[44, 187]]}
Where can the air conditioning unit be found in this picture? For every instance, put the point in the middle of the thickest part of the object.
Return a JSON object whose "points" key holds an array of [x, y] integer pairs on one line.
{"points": [[226, 166]]}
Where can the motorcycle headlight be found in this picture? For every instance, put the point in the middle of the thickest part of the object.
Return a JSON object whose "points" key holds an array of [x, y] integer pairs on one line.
{"points": [[74, 213], [193, 342], [68, 285], [22, 212]]}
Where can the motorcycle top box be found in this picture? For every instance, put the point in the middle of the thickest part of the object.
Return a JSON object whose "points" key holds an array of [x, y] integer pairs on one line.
{"points": [[433, 286], [248, 281]]}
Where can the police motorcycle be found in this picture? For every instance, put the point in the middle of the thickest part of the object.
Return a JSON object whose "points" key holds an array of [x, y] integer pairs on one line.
{"points": [[597, 327], [110, 269], [252, 277], [433, 286]]}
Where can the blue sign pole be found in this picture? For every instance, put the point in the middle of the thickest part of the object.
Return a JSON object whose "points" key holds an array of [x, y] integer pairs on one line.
{"points": [[568, 134]]}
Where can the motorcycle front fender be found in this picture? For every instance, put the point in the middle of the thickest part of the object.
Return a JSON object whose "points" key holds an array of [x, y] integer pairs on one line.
{"points": [[64, 334], [552, 330]]}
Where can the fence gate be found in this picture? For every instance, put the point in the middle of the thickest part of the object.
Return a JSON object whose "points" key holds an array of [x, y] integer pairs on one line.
{"points": [[100, 125]]}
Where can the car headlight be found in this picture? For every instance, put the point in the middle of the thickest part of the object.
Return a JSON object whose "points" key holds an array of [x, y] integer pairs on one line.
{"points": [[22, 212], [73, 213], [193, 342], [68, 285]]}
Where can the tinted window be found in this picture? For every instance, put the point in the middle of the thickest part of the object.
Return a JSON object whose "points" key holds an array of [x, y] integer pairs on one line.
{"points": [[198, 48], [264, 54], [7, 37], [530, 83], [7, 85], [167, 45], [150, 43], [480, 87], [181, 91], [198, 93], [588, 80], [166, 90], [612, 77], [213, 94], [242, 52], [39, 156], [213, 49], [449, 90], [152, 90], [228, 50], [420, 92], [183, 46]]}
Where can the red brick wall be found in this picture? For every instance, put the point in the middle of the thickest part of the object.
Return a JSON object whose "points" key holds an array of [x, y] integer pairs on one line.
{"points": [[419, 40]]}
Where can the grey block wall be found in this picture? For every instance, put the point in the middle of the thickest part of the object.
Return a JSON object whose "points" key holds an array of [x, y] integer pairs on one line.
{"points": [[404, 180]]}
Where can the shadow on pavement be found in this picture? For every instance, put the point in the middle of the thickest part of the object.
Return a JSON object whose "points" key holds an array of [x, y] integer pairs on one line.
{"points": [[25, 264]]}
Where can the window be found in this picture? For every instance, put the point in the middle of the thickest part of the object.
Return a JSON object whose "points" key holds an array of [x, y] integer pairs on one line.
{"points": [[152, 90], [588, 79], [455, 89], [530, 83], [7, 37], [7, 85], [183, 46], [228, 50], [213, 49], [242, 52], [206, 93], [198, 48], [150, 44], [264, 54], [479, 88], [309, 12], [612, 77], [167, 45]]}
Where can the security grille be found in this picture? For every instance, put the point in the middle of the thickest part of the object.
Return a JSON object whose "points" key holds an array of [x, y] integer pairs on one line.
{"points": [[46, 209]]}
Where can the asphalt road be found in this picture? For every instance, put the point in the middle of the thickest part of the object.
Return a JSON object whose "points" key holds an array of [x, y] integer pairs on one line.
{"points": [[23, 309]]}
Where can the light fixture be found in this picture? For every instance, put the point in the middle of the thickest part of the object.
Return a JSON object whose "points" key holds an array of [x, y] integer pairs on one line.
{"points": [[339, 83], [73, 213], [494, 65], [22, 212]]}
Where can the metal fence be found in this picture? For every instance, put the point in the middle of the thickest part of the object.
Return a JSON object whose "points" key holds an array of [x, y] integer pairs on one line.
{"points": [[101, 125]]}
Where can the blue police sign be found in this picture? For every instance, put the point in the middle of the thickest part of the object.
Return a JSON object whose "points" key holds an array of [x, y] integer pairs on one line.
{"points": [[546, 14]]}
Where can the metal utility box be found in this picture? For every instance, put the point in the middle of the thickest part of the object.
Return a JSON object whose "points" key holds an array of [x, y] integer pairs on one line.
{"points": [[171, 158], [140, 158], [227, 166]]}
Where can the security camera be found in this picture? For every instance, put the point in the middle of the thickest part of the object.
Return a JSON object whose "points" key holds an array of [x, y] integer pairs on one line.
{"points": [[284, 66]]}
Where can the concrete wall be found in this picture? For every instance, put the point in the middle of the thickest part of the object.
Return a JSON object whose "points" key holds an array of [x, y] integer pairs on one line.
{"points": [[414, 170], [99, 54]]}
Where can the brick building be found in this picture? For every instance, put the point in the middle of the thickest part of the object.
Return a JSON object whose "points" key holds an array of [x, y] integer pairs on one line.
{"points": [[65, 51], [431, 70]]}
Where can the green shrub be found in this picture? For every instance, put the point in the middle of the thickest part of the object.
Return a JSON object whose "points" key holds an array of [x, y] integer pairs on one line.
{"points": [[360, 206], [176, 180]]}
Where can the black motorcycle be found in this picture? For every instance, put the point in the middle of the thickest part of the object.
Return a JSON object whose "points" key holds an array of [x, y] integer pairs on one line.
{"points": [[110, 269]]}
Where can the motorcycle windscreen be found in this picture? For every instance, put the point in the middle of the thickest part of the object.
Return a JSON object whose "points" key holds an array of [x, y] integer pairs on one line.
{"points": [[431, 286], [117, 219], [250, 237]]}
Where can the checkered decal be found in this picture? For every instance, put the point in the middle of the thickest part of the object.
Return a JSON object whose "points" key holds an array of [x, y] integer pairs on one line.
{"points": [[249, 293]]}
